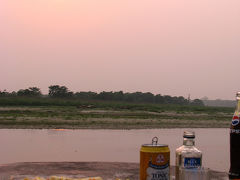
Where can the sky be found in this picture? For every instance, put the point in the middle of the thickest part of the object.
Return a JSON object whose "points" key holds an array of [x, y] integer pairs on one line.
{"points": [[171, 47]]}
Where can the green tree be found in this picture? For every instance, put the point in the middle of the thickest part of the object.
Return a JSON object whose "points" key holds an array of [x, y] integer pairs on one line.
{"points": [[86, 95], [4, 93], [31, 91], [167, 99], [118, 96], [105, 96], [159, 99], [59, 91]]}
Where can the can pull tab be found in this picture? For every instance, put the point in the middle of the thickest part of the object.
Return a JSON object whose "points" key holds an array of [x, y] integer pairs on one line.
{"points": [[154, 140]]}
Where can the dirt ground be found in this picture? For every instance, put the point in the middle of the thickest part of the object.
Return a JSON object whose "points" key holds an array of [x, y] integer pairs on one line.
{"points": [[106, 170]]}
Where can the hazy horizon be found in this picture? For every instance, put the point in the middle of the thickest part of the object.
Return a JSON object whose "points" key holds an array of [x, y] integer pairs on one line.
{"points": [[164, 47]]}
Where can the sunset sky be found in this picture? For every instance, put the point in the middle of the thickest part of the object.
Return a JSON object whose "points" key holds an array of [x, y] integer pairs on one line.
{"points": [[171, 47]]}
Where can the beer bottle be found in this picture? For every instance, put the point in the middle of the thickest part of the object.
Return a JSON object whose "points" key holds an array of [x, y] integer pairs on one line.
{"points": [[234, 172]]}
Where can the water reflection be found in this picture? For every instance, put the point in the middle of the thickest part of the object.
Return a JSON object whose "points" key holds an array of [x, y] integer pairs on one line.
{"points": [[106, 145]]}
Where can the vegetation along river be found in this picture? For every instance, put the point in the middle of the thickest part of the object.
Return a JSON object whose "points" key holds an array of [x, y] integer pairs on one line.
{"points": [[25, 145]]}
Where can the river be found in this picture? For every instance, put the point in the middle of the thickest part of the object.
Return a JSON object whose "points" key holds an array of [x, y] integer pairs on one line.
{"points": [[25, 145]]}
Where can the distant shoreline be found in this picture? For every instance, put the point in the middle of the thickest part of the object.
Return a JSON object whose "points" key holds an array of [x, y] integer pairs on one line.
{"points": [[71, 117]]}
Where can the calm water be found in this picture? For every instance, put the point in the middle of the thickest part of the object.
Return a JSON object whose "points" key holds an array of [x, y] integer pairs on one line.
{"points": [[107, 145]]}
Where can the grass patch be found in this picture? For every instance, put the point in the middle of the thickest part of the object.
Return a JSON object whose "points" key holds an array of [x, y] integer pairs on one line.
{"points": [[54, 113]]}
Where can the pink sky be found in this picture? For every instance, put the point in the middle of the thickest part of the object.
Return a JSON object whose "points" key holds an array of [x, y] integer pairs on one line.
{"points": [[174, 47]]}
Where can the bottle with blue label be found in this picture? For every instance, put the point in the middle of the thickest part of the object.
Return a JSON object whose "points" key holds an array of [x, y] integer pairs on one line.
{"points": [[188, 156]]}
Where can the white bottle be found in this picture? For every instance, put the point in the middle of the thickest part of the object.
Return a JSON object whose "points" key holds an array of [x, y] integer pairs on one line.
{"points": [[188, 156]]}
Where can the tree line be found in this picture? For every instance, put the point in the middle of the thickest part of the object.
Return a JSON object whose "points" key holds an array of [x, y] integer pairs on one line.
{"points": [[57, 91]]}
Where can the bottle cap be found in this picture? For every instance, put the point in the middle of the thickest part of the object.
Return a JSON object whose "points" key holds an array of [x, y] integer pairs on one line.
{"points": [[238, 95], [189, 134]]}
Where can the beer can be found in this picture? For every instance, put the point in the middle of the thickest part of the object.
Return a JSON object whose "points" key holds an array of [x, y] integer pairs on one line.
{"points": [[154, 161]]}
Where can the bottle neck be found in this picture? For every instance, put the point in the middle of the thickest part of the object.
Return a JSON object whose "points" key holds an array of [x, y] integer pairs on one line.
{"points": [[188, 141], [238, 105]]}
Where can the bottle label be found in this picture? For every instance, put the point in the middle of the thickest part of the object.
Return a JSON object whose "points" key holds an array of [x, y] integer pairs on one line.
{"points": [[157, 172], [191, 163], [235, 120], [235, 131]]}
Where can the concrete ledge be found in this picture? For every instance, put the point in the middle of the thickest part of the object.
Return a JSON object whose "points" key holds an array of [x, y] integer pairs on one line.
{"points": [[106, 170]]}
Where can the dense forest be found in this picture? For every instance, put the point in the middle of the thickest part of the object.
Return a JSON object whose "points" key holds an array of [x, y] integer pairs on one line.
{"points": [[62, 92]]}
